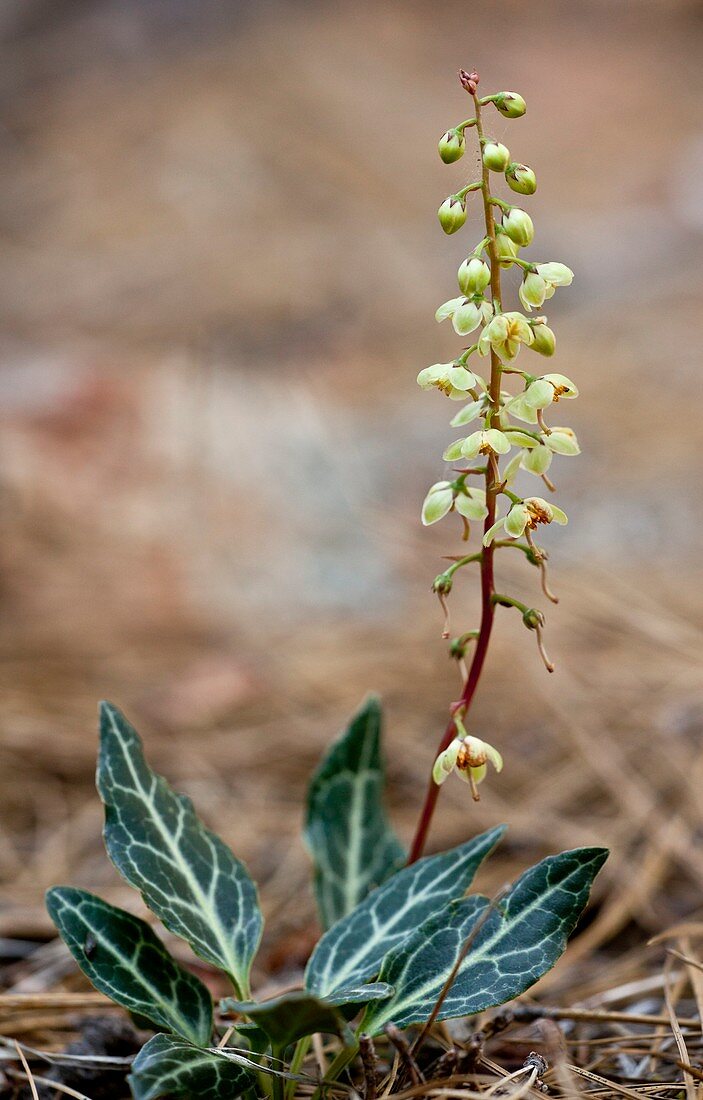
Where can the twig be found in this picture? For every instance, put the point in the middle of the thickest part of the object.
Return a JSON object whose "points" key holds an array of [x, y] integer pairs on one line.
{"points": [[401, 1044], [27, 1070], [368, 1062], [536, 1012]]}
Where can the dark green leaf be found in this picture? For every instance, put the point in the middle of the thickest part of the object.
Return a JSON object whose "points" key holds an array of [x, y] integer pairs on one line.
{"points": [[292, 1015], [125, 960], [517, 945], [186, 874], [353, 949], [347, 832], [167, 1067]]}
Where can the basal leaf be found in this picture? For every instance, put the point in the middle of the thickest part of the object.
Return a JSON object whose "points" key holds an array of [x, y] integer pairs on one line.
{"points": [[347, 832], [186, 874], [517, 945], [167, 1067], [124, 959], [292, 1015], [354, 948], [297, 1013]]}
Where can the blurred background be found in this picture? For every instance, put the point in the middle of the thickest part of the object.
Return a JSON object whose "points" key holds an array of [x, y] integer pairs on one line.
{"points": [[219, 267]]}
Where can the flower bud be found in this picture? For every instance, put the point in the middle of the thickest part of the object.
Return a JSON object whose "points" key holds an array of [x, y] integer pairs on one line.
{"points": [[505, 248], [533, 290], [518, 225], [452, 214], [510, 104], [451, 146], [544, 341], [496, 156], [532, 618], [520, 178], [474, 275]]}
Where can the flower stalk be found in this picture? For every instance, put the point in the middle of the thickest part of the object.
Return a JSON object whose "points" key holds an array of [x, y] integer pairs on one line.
{"points": [[506, 228]]}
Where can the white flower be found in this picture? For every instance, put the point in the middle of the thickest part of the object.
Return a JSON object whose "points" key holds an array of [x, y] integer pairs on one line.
{"points": [[539, 394], [437, 502], [452, 379], [540, 284], [505, 333], [443, 496], [470, 502], [529, 513], [467, 414], [479, 443], [468, 757], [466, 313], [537, 459]]}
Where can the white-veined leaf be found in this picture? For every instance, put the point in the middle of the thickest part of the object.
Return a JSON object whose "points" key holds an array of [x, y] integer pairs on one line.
{"points": [[518, 943], [346, 830], [169, 1067], [186, 874], [354, 948], [124, 959]]}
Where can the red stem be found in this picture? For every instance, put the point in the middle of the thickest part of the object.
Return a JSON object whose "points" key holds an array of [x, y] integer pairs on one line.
{"points": [[487, 583], [487, 616]]}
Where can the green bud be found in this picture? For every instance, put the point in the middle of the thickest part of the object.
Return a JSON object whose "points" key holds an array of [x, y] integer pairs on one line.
{"points": [[505, 248], [474, 275], [442, 583], [533, 618], [544, 341], [518, 225], [452, 214], [451, 146], [496, 156], [520, 178], [510, 104]]}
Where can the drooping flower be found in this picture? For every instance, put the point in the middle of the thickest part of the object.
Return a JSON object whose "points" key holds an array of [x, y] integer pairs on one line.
{"points": [[538, 459], [437, 502], [466, 415], [482, 442], [466, 313], [468, 501], [527, 513], [467, 756], [539, 394], [452, 379], [504, 334], [540, 284]]}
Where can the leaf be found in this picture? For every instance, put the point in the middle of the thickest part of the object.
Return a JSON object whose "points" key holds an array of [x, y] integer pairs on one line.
{"points": [[297, 1013], [186, 874], [515, 947], [354, 948], [167, 1067], [346, 830], [124, 958]]}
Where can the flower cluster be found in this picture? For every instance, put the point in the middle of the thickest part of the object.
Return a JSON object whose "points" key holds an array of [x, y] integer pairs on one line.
{"points": [[507, 406]]}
